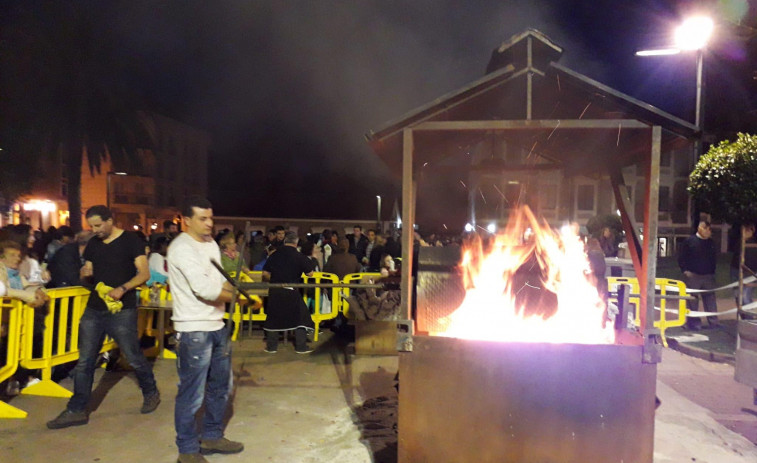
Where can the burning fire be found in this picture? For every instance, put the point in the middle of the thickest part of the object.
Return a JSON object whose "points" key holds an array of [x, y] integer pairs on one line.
{"points": [[530, 284]]}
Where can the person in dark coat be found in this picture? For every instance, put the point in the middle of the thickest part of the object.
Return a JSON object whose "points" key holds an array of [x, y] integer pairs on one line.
{"points": [[342, 262], [65, 264], [697, 259], [285, 309]]}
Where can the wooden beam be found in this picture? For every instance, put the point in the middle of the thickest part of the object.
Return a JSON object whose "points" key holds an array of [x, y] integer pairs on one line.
{"points": [[626, 214], [652, 350], [532, 124], [408, 219]]}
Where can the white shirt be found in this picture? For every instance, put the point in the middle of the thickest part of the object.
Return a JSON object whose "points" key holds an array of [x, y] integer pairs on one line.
{"points": [[157, 263], [195, 282]]}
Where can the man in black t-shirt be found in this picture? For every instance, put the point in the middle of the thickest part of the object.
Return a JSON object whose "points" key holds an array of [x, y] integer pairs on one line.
{"points": [[115, 258]]}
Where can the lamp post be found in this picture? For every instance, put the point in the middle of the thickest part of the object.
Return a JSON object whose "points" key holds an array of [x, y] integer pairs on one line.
{"points": [[107, 186], [378, 214], [692, 35]]}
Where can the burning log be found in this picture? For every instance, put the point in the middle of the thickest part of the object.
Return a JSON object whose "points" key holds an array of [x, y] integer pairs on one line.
{"points": [[373, 304]]}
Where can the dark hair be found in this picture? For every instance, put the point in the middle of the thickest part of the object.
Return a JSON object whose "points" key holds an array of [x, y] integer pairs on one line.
{"points": [[167, 224], [307, 248], [279, 228], [358, 226], [342, 246], [372, 230], [159, 243], [187, 208], [101, 211], [64, 231]]}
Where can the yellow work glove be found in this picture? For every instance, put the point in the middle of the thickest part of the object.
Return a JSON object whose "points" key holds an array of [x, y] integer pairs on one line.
{"points": [[114, 306]]}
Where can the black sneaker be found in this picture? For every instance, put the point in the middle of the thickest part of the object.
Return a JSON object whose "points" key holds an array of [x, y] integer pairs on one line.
{"points": [[150, 403], [222, 445], [68, 418]]}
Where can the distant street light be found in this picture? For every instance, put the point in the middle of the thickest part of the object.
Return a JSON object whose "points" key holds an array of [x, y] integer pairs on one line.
{"points": [[378, 213], [107, 186]]}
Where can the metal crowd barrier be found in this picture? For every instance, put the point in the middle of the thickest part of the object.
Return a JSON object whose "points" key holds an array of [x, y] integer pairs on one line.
{"points": [[666, 287], [60, 335], [57, 341], [320, 295], [10, 320], [247, 312]]}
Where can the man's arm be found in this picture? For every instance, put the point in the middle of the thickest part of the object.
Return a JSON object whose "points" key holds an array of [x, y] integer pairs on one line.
{"points": [[683, 257], [143, 274], [195, 271]]}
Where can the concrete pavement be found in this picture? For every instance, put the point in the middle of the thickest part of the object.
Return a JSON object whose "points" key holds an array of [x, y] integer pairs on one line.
{"points": [[331, 406]]}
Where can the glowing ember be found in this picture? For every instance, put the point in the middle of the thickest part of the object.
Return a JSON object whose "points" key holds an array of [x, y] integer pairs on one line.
{"points": [[530, 284]]}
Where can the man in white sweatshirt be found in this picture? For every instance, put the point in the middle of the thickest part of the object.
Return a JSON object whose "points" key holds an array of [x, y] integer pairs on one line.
{"points": [[199, 292]]}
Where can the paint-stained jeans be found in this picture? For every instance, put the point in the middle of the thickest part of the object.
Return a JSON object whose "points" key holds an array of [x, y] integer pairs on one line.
{"points": [[122, 327], [204, 367]]}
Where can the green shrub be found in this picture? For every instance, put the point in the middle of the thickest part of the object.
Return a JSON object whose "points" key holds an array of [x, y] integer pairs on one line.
{"points": [[724, 181]]}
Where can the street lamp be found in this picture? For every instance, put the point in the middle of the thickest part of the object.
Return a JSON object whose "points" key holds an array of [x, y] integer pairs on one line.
{"points": [[107, 186], [378, 213], [692, 35]]}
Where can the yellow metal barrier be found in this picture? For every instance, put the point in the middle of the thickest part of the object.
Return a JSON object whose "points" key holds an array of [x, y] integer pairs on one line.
{"points": [[344, 306], [10, 320], [318, 314], [60, 338], [664, 285], [243, 310], [633, 283]]}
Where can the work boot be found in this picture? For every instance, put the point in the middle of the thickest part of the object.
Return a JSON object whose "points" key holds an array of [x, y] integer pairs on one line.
{"points": [[68, 418], [150, 403], [222, 445], [191, 458]]}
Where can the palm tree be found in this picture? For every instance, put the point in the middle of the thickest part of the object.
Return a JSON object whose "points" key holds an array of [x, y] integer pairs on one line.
{"points": [[65, 94]]}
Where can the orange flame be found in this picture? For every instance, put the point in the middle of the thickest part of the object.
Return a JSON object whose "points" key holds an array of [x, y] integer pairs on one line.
{"points": [[530, 284]]}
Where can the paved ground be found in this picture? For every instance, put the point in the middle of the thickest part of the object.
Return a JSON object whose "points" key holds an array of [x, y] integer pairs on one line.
{"points": [[332, 406]]}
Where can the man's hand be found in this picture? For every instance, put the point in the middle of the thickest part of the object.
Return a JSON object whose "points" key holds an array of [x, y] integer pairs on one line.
{"points": [[86, 270], [688, 273], [40, 298], [117, 293]]}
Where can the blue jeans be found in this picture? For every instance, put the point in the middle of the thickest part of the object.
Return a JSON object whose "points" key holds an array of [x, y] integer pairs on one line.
{"points": [[204, 367], [122, 327]]}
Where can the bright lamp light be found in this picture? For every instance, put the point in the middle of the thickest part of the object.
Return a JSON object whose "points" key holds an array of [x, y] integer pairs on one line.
{"points": [[694, 33]]}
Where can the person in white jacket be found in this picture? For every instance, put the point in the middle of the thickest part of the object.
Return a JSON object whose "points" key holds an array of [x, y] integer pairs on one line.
{"points": [[16, 285], [199, 292]]}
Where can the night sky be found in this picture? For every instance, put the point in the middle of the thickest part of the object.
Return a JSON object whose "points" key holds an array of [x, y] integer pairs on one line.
{"points": [[288, 88]]}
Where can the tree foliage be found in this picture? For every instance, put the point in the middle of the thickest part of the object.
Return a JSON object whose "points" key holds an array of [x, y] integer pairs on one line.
{"points": [[64, 93], [724, 181]]}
